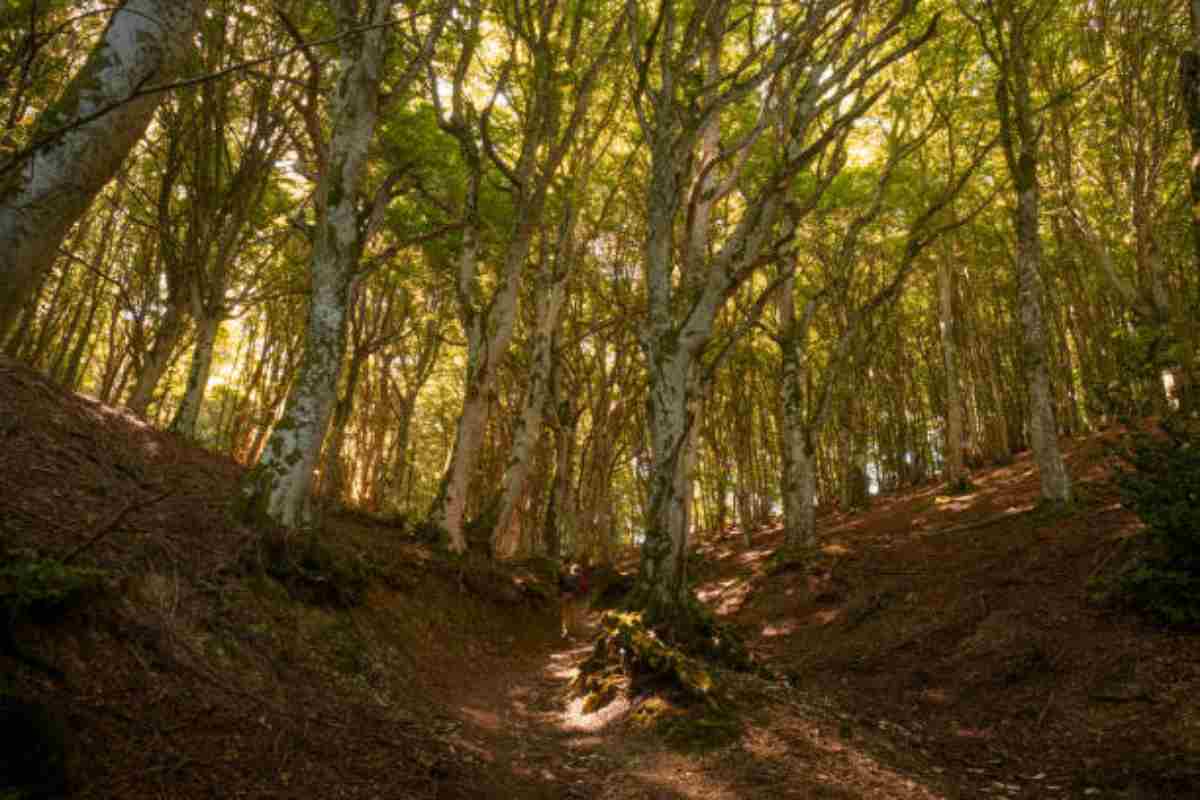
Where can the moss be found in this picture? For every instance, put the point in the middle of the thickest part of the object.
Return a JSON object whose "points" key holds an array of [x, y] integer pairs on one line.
{"points": [[31, 584], [628, 648]]}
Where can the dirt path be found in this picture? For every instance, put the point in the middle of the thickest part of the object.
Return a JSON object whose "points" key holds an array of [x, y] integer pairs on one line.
{"points": [[518, 722]]}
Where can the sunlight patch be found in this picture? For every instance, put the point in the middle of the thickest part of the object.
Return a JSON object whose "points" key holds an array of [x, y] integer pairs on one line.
{"points": [[578, 720], [781, 629]]}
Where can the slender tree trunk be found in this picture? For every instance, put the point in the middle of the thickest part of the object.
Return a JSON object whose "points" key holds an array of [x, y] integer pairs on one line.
{"points": [[142, 45], [72, 370], [529, 427], [1190, 78], [208, 327], [333, 476], [559, 523], [280, 486], [1020, 134], [799, 475], [154, 366], [953, 444], [1056, 484]]}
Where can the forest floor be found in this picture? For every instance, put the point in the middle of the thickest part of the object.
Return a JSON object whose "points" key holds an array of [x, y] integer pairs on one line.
{"points": [[940, 647]]}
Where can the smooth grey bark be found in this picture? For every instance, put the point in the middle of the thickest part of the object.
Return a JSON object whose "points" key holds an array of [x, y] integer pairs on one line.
{"points": [[45, 194], [953, 445], [548, 130], [280, 485], [1006, 33], [810, 75], [529, 426], [799, 487], [188, 414]]}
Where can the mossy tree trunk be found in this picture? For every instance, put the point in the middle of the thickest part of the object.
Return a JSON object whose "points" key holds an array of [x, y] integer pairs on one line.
{"points": [[1009, 32], [143, 44], [280, 485], [678, 106]]}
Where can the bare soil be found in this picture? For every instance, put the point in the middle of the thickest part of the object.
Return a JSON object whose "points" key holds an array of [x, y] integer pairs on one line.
{"points": [[940, 647]]}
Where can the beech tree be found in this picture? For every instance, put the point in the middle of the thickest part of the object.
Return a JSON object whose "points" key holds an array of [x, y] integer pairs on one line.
{"points": [[546, 42], [807, 63], [280, 485], [1008, 30], [81, 140]]}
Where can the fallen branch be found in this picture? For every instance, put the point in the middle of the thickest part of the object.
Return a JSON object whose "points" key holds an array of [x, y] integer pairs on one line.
{"points": [[113, 524]]}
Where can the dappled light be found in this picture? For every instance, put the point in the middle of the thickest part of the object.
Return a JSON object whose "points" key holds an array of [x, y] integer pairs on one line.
{"points": [[600, 400]]}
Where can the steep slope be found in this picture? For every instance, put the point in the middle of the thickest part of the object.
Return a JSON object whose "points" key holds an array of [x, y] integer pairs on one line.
{"points": [[190, 656], [963, 624], [942, 647]]}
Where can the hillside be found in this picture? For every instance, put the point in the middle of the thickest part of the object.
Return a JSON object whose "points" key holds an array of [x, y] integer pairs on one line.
{"points": [[943, 648]]}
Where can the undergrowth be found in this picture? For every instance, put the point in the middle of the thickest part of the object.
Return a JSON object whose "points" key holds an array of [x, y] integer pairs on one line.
{"points": [[37, 585], [1161, 484]]}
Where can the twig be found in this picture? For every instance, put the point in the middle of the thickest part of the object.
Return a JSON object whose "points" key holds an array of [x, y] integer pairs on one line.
{"points": [[113, 524]]}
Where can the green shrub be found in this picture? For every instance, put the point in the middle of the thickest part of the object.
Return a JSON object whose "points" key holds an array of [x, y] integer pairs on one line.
{"points": [[1161, 484], [31, 584]]}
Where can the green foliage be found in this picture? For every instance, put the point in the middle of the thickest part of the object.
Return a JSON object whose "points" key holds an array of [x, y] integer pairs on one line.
{"points": [[30, 583], [1162, 486], [1140, 353]]}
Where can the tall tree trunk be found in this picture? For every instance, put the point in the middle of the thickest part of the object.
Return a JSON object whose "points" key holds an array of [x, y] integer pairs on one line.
{"points": [[208, 327], [953, 444], [1056, 484], [333, 475], [142, 45], [72, 370], [154, 366], [799, 473], [529, 427], [1190, 74], [280, 486], [1009, 41]]}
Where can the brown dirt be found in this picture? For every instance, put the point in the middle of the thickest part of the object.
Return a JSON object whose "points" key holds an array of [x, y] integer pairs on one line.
{"points": [[925, 656]]}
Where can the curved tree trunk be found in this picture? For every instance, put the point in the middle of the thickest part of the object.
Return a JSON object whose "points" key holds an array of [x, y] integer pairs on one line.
{"points": [[40, 201]]}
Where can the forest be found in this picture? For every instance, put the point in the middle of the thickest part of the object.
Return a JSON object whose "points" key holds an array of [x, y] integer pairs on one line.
{"points": [[552, 281]]}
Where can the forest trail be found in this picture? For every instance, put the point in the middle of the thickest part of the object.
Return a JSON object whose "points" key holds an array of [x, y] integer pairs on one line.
{"points": [[941, 646], [517, 715]]}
